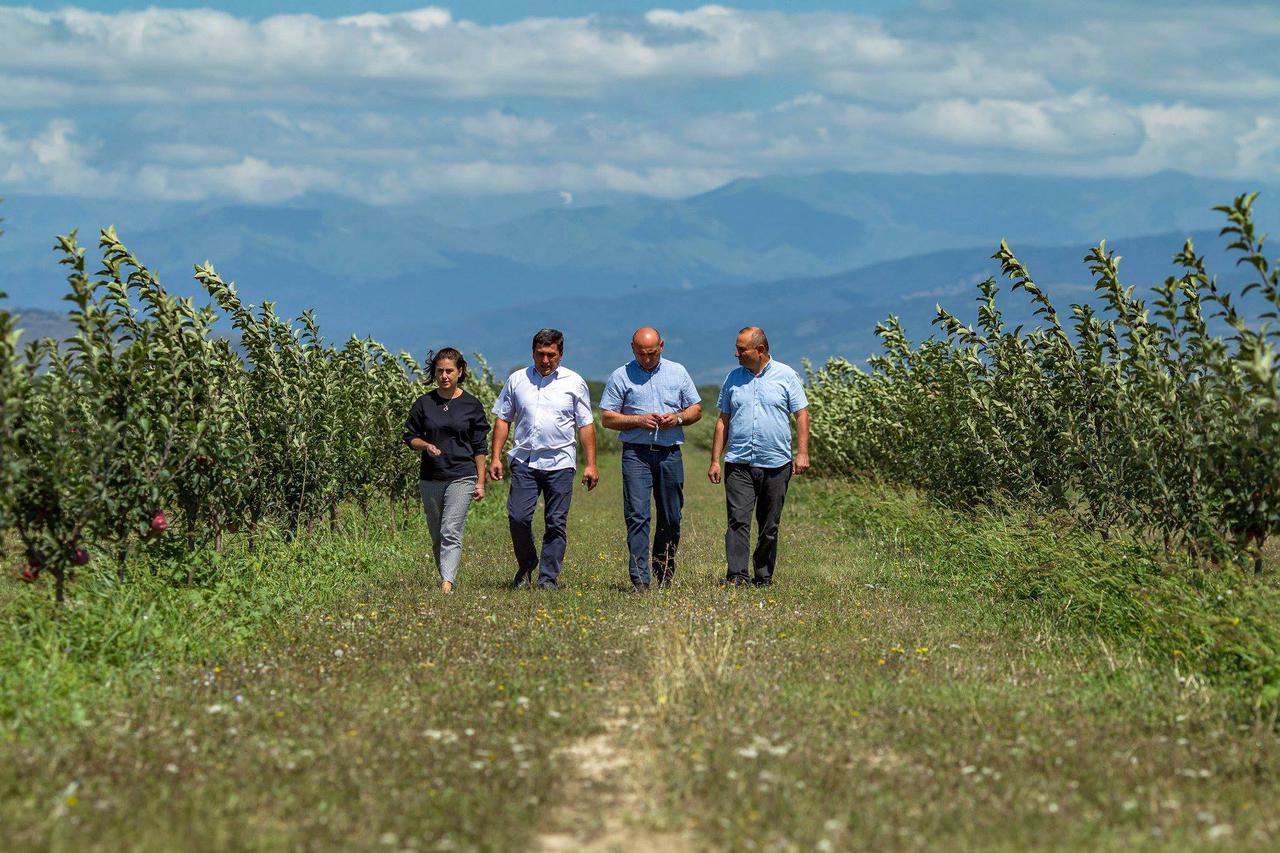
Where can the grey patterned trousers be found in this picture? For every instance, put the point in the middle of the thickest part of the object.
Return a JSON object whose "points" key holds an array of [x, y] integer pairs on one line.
{"points": [[446, 503]]}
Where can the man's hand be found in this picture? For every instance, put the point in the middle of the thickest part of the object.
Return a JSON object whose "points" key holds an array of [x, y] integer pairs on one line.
{"points": [[477, 494], [650, 421], [800, 464], [667, 420], [495, 469], [432, 449], [713, 473], [590, 477]]}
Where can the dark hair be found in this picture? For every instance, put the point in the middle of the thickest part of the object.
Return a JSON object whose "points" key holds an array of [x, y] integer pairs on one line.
{"points": [[758, 337], [549, 338], [454, 356]]}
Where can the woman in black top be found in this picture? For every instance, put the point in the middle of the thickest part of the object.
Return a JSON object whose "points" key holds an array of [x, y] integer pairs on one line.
{"points": [[449, 427]]}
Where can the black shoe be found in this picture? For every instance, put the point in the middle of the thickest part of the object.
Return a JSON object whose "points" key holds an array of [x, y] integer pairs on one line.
{"points": [[521, 582], [639, 587], [551, 586], [762, 581], [733, 582], [665, 583]]}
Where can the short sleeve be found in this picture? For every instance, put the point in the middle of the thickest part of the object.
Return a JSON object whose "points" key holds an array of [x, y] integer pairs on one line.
{"points": [[611, 399], [796, 400], [582, 405], [724, 401], [688, 392], [504, 405]]}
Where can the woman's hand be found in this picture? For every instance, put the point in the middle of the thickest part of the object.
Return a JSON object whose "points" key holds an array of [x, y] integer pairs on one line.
{"points": [[432, 449]]}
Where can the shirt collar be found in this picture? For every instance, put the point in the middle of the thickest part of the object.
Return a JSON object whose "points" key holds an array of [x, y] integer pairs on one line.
{"points": [[535, 376]]}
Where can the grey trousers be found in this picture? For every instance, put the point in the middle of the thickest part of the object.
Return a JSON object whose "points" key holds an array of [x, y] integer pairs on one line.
{"points": [[446, 503]]}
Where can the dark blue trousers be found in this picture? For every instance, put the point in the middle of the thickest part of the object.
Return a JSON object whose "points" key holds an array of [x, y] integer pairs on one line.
{"points": [[556, 488], [656, 474]]}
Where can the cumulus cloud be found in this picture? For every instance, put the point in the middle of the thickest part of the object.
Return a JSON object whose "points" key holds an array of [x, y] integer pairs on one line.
{"points": [[428, 52], [381, 106]]}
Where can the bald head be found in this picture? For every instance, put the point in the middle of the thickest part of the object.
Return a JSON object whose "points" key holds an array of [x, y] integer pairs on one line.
{"points": [[646, 346], [646, 336]]}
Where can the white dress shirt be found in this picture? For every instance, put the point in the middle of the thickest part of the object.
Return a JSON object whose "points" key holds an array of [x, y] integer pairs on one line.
{"points": [[547, 412]]}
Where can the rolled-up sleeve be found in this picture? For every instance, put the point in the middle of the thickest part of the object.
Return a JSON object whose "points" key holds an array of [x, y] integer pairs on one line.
{"points": [[480, 433]]}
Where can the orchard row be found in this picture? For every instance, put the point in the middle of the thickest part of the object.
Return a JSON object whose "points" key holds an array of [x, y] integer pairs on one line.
{"points": [[1156, 417], [148, 416]]}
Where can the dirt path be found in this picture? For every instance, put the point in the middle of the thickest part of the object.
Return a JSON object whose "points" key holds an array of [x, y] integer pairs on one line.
{"points": [[604, 804]]}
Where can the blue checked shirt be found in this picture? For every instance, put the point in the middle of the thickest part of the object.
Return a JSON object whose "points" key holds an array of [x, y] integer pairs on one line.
{"points": [[759, 410], [632, 390]]}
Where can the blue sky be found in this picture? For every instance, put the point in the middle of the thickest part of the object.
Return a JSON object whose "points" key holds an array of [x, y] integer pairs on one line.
{"points": [[392, 101]]}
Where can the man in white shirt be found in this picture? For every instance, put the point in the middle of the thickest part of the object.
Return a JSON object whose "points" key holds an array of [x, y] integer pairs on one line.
{"points": [[550, 406]]}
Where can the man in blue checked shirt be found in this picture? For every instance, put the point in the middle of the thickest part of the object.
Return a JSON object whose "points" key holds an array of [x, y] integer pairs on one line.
{"points": [[756, 403], [649, 400]]}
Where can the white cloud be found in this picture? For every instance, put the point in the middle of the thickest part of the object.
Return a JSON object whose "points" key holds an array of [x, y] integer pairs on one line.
{"points": [[506, 129], [379, 105], [1081, 124]]}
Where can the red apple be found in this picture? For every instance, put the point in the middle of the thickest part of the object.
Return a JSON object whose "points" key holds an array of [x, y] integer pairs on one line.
{"points": [[159, 524], [29, 574], [81, 557]]}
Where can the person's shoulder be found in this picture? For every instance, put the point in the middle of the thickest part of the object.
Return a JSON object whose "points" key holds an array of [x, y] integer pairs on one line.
{"points": [[573, 376], [620, 373], [737, 374], [785, 371], [676, 367]]}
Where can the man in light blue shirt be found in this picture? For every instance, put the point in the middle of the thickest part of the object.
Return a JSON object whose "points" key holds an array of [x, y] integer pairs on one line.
{"points": [[551, 408], [649, 400], [756, 404]]}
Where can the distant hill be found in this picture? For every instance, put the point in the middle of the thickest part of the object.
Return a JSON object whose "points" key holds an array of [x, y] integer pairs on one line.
{"points": [[817, 317], [412, 275]]}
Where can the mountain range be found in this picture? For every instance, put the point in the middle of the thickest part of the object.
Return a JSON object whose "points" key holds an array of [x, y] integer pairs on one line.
{"points": [[816, 259]]}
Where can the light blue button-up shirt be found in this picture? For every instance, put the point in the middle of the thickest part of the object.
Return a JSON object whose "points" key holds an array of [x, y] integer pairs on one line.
{"points": [[548, 411], [759, 410], [632, 390]]}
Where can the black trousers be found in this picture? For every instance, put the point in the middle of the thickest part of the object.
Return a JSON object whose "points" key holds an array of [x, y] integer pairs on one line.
{"points": [[750, 489]]}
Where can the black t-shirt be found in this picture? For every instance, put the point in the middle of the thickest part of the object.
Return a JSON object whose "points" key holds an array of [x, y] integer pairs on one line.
{"points": [[458, 427]]}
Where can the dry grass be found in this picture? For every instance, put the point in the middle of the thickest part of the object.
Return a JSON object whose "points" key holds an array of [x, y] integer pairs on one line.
{"points": [[859, 703]]}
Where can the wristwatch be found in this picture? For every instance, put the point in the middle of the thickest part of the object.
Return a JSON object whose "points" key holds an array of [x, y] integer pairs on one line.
{"points": [[679, 419]]}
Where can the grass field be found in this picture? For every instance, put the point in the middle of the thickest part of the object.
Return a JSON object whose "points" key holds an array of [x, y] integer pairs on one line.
{"points": [[870, 699]]}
